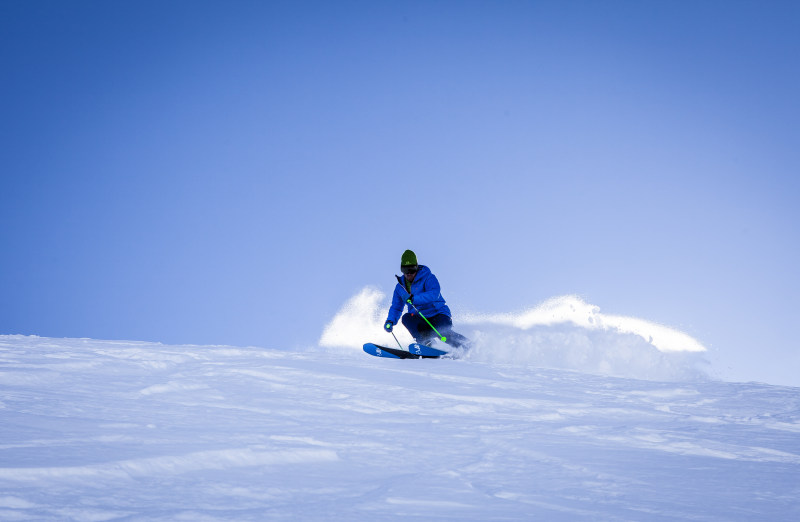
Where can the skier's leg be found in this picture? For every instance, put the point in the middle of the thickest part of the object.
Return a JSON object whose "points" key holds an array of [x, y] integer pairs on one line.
{"points": [[444, 324], [418, 328], [457, 340]]}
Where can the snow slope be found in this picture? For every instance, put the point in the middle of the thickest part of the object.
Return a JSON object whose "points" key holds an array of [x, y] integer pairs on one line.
{"points": [[112, 430]]}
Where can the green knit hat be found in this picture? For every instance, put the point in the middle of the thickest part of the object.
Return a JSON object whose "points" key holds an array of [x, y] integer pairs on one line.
{"points": [[409, 258]]}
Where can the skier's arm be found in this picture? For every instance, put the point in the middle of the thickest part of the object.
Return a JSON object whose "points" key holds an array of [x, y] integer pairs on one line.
{"points": [[398, 302]]}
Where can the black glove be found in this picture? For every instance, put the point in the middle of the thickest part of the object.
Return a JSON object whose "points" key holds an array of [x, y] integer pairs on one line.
{"points": [[388, 326], [410, 299]]}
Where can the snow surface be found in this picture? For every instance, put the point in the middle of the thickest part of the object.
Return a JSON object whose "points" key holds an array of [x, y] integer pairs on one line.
{"points": [[111, 430]]}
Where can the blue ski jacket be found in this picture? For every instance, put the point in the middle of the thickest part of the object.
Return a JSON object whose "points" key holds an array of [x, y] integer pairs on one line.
{"points": [[427, 296]]}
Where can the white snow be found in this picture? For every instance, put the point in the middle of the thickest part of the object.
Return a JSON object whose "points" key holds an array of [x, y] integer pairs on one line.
{"points": [[563, 332], [572, 423]]}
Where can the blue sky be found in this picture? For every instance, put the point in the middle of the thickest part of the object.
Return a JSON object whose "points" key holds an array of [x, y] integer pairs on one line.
{"points": [[232, 172]]}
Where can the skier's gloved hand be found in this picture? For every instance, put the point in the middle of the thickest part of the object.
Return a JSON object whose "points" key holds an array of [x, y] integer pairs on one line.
{"points": [[388, 326], [410, 299]]}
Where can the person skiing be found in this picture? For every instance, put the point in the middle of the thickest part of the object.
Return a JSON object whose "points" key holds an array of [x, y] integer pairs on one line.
{"points": [[419, 289]]}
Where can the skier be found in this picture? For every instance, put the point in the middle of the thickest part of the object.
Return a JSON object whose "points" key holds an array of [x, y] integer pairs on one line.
{"points": [[419, 288]]}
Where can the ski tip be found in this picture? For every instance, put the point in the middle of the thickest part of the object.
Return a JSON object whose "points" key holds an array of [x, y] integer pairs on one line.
{"points": [[380, 351]]}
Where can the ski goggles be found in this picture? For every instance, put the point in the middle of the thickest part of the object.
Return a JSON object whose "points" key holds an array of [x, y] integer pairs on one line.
{"points": [[409, 269]]}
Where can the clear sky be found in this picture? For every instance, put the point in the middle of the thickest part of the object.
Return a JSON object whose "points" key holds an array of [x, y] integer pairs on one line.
{"points": [[231, 172]]}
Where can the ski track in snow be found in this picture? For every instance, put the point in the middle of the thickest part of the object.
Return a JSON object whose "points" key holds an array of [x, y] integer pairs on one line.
{"points": [[115, 430]]}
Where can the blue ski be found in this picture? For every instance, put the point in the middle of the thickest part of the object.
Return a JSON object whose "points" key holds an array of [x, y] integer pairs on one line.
{"points": [[395, 353], [422, 349]]}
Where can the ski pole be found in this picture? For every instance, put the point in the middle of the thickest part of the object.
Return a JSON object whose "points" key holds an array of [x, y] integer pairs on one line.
{"points": [[442, 337], [395, 338]]}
